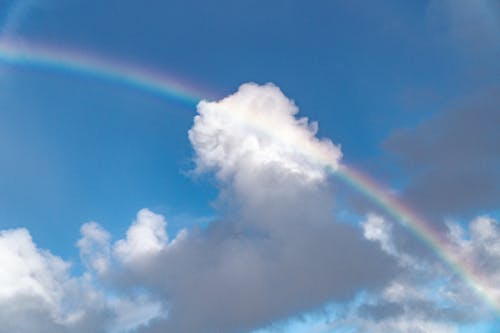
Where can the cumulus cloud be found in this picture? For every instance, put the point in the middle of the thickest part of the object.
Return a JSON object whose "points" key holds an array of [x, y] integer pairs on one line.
{"points": [[28, 271], [34, 285], [146, 237], [38, 293], [256, 128], [277, 250]]}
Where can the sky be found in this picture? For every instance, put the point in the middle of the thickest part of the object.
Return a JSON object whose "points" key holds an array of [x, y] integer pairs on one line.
{"points": [[258, 166]]}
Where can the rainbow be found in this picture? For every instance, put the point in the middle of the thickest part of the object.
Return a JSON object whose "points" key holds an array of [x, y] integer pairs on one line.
{"points": [[422, 229], [31, 55], [169, 87]]}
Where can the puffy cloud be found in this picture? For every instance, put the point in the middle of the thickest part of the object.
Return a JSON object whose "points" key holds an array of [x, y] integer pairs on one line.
{"points": [[256, 128], [146, 237], [38, 294], [28, 271], [276, 251], [34, 287]]}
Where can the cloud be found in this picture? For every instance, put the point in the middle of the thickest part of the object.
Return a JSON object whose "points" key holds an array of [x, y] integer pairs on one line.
{"points": [[38, 293], [34, 287], [28, 271], [94, 247], [479, 248], [145, 238], [430, 297], [377, 229], [256, 128], [408, 324], [277, 250], [452, 158]]}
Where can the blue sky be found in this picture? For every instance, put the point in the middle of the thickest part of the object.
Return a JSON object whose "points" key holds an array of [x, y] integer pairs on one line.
{"points": [[407, 91]]}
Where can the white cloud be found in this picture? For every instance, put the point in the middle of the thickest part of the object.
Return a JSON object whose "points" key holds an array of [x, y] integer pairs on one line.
{"points": [[95, 247], [146, 237], [377, 229], [38, 293], [256, 128], [25, 270], [485, 232], [35, 286]]}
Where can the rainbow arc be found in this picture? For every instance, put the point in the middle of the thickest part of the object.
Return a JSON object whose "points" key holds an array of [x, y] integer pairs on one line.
{"points": [[173, 88]]}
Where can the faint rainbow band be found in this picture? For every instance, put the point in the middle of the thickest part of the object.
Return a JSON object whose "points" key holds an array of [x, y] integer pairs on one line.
{"points": [[168, 86]]}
